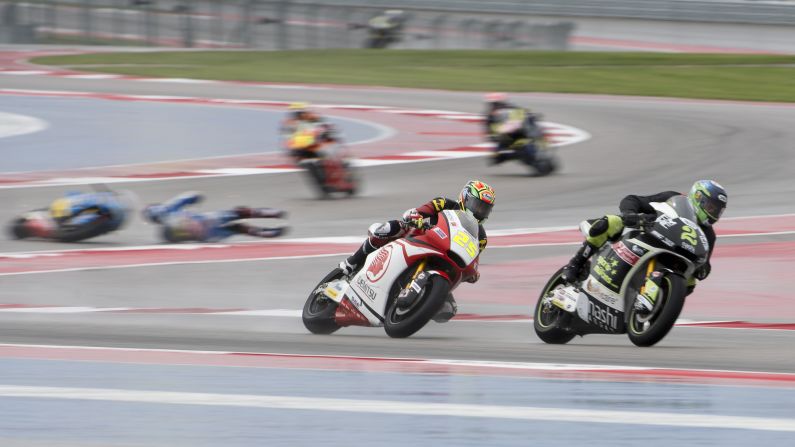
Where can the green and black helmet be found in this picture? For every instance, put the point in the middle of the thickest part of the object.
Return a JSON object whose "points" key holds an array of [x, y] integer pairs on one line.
{"points": [[709, 199]]}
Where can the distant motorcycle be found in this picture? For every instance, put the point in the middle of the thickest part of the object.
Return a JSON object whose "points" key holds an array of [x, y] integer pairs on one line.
{"points": [[523, 139], [75, 217], [615, 297], [330, 170], [402, 285], [386, 29]]}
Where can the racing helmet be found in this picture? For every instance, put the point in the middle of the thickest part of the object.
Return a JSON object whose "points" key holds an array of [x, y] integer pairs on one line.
{"points": [[497, 97], [478, 198], [709, 200], [298, 109]]}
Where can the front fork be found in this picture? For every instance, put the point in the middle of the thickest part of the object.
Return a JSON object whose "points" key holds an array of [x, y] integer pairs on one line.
{"points": [[650, 290], [411, 292]]}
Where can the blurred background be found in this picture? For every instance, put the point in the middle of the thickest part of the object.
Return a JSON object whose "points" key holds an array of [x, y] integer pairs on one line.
{"points": [[120, 338], [439, 24]]}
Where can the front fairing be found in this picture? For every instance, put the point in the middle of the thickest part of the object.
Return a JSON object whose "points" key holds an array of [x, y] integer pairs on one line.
{"points": [[677, 230]]}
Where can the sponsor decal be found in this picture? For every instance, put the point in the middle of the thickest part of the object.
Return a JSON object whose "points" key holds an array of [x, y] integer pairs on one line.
{"points": [[380, 263], [595, 289], [355, 300], [638, 250], [440, 233], [703, 239], [487, 197], [666, 221], [722, 198], [688, 247], [602, 316], [606, 270], [625, 253], [662, 238], [364, 287]]}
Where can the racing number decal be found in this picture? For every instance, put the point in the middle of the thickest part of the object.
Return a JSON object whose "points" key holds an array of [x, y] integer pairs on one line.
{"points": [[463, 240], [689, 235]]}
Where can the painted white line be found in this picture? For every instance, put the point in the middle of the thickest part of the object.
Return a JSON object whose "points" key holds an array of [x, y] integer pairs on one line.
{"points": [[62, 309], [12, 124], [91, 76], [699, 420], [292, 313], [24, 72]]}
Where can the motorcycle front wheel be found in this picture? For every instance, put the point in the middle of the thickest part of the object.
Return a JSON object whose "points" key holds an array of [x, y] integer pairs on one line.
{"points": [[318, 314], [547, 317], [648, 328], [401, 323]]}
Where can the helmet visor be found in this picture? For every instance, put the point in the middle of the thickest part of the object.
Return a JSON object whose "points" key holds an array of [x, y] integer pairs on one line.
{"points": [[480, 209], [713, 207]]}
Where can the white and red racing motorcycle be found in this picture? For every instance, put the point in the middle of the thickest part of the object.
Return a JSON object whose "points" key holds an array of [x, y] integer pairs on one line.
{"points": [[421, 268]]}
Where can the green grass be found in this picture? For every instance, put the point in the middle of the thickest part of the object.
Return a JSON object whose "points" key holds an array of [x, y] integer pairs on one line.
{"points": [[718, 76]]}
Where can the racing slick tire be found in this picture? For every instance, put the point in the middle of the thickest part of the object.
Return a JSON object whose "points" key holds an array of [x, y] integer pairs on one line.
{"points": [[318, 314], [547, 319], [646, 330], [402, 323]]}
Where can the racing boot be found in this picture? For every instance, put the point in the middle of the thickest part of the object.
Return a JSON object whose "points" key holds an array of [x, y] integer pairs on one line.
{"points": [[447, 311], [572, 270], [266, 232], [352, 263], [379, 234], [245, 212]]}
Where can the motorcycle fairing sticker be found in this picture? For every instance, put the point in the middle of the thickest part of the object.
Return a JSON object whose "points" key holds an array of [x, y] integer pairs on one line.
{"points": [[380, 263], [603, 316], [610, 270], [598, 291]]}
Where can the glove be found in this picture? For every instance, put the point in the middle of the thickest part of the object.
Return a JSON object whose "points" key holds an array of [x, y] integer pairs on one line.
{"points": [[702, 272], [412, 218]]}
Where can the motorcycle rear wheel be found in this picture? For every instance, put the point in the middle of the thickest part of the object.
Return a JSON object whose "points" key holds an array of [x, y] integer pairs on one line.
{"points": [[546, 319], [427, 305], [318, 314], [672, 293]]}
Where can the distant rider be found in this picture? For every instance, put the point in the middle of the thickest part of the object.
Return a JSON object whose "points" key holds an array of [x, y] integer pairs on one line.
{"points": [[75, 217], [707, 197], [498, 111], [477, 197], [391, 22], [305, 132], [180, 225]]}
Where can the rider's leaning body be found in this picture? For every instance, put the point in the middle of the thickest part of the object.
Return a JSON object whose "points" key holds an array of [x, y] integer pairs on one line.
{"points": [[305, 132], [477, 198], [707, 197], [182, 225], [498, 112]]}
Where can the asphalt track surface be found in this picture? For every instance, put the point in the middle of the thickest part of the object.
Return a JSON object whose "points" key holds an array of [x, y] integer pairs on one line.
{"points": [[639, 145]]}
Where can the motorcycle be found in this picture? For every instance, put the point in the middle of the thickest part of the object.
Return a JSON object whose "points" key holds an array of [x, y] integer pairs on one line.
{"points": [[76, 216], [330, 170], [385, 30], [531, 146], [402, 285], [636, 285]]}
